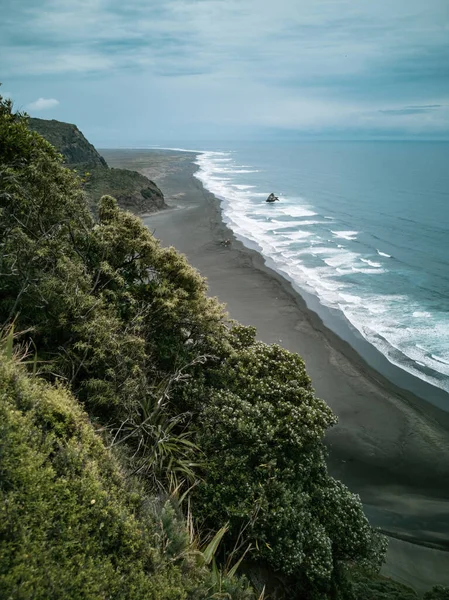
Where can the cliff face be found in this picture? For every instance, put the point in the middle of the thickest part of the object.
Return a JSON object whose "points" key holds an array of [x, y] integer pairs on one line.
{"points": [[133, 191], [69, 141]]}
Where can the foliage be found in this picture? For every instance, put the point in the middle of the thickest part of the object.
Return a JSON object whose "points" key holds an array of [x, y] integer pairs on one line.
{"points": [[132, 190], [107, 304], [69, 141], [438, 592], [44, 218], [261, 429], [161, 446], [73, 524], [69, 527], [369, 587], [109, 310]]}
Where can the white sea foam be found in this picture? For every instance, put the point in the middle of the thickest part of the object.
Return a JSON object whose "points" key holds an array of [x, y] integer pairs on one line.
{"points": [[292, 234], [297, 235], [368, 271], [321, 250], [383, 253], [440, 359], [301, 223], [297, 211], [346, 235], [351, 298], [371, 263], [342, 259]]}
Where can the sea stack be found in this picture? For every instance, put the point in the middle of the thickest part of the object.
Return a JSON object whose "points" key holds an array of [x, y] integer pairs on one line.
{"points": [[271, 198]]}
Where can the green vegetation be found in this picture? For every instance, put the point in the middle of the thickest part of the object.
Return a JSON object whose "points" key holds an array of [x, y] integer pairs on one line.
{"points": [[369, 587], [132, 190], [70, 142], [437, 593], [73, 524], [70, 528], [148, 401], [261, 430]]}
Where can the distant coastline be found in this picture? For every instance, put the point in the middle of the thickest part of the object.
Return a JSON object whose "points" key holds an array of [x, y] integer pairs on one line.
{"points": [[334, 262], [395, 371], [335, 322]]}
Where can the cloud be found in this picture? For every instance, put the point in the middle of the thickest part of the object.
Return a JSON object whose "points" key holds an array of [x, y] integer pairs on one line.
{"points": [[411, 110], [43, 104], [305, 64], [297, 41]]}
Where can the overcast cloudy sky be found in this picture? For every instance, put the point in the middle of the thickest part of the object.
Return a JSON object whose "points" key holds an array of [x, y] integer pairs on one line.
{"points": [[144, 71]]}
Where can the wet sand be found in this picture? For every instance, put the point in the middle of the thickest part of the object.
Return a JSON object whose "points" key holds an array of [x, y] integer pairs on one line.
{"points": [[389, 446]]}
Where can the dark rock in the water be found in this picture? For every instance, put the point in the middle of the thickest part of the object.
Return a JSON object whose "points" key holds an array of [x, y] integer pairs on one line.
{"points": [[271, 198]]}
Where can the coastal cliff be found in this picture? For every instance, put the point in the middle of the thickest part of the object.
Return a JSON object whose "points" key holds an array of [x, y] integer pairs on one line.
{"points": [[69, 141], [133, 191]]}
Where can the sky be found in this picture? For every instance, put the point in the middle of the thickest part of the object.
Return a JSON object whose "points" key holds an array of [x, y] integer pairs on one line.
{"points": [[140, 72]]}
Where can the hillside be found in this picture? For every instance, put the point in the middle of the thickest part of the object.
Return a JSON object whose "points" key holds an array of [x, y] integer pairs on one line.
{"points": [[133, 191], [75, 527], [69, 141]]}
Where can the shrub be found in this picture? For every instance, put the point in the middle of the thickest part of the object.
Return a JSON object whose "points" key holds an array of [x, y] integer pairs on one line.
{"points": [[70, 526], [108, 309], [438, 592], [261, 428]]}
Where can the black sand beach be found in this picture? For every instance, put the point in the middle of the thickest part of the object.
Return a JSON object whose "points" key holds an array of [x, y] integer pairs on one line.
{"points": [[389, 446]]}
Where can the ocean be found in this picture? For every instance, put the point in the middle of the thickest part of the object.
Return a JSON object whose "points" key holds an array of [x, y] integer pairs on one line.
{"points": [[362, 232]]}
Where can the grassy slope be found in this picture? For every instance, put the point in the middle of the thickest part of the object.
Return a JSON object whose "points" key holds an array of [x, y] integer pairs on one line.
{"points": [[133, 191], [69, 140], [71, 524]]}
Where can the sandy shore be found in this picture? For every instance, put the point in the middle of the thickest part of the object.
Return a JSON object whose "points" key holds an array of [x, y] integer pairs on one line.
{"points": [[389, 446]]}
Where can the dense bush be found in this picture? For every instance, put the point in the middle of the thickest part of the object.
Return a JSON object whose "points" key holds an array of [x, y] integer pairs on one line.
{"points": [[261, 428], [71, 525], [365, 586], [438, 592], [110, 308]]}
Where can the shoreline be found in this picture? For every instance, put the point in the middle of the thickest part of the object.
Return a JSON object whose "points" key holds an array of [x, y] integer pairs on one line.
{"points": [[331, 321], [359, 349], [379, 351], [387, 440]]}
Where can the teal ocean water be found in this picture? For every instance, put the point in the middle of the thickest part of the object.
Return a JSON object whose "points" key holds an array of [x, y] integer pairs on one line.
{"points": [[362, 229]]}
